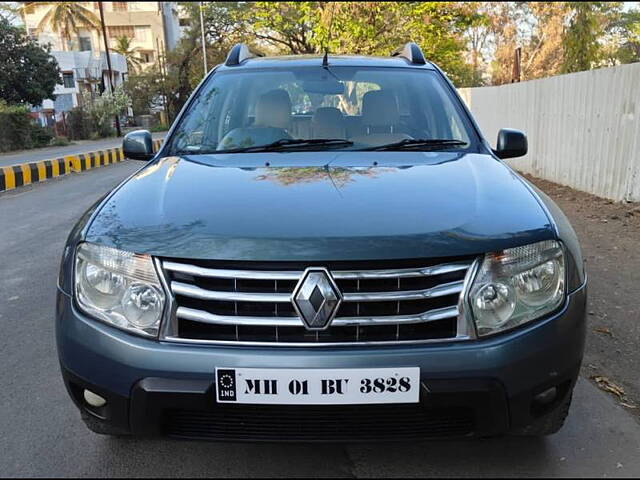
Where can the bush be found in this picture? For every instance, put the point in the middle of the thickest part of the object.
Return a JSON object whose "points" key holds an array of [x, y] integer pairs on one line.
{"points": [[160, 127], [40, 136], [60, 141], [79, 124], [15, 131], [100, 111], [18, 130]]}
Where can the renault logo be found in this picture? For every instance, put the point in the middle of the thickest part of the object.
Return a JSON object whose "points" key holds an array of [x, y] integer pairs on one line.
{"points": [[316, 298]]}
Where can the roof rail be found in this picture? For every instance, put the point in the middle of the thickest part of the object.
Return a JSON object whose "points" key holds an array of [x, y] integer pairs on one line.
{"points": [[238, 54], [411, 52]]}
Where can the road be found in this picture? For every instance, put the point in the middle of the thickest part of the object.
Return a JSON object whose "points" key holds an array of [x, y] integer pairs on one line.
{"points": [[79, 146], [41, 433]]}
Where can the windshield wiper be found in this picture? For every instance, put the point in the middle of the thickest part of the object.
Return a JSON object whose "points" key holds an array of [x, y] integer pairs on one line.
{"points": [[415, 143], [288, 143]]}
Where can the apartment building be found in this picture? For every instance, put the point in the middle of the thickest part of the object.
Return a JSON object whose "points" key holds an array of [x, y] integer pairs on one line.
{"points": [[153, 28], [81, 72]]}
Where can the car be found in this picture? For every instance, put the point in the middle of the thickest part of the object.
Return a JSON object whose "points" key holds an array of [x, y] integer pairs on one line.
{"points": [[325, 248]]}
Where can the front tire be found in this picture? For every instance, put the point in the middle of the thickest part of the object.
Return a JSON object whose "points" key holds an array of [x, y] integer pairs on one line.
{"points": [[547, 424]]}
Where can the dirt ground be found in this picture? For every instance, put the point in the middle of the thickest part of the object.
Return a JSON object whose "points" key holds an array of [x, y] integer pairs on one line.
{"points": [[609, 233]]}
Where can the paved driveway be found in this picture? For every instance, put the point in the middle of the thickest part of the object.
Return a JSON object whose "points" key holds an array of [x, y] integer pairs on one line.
{"points": [[41, 433]]}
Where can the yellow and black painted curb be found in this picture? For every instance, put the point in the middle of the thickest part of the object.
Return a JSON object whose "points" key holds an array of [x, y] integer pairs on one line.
{"points": [[15, 176]]}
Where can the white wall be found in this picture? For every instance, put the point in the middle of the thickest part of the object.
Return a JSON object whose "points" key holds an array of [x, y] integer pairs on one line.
{"points": [[583, 128], [70, 61]]}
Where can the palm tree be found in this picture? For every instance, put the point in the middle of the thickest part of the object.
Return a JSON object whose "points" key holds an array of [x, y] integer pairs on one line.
{"points": [[124, 48], [66, 18]]}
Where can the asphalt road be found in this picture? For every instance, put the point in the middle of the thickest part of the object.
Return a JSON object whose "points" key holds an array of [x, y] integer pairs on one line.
{"points": [[41, 433], [79, 146]]}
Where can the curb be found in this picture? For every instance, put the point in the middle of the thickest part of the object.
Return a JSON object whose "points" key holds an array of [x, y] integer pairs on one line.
{"points": [[21, 174]]}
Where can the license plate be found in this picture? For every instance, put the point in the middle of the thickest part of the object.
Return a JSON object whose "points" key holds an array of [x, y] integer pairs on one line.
{"points": [[295, 386]]}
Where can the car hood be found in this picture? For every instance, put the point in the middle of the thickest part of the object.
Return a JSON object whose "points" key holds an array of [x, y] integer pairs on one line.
{"points": [[313, 206]]}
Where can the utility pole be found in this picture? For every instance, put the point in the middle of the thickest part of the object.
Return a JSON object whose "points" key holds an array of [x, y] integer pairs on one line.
{"points": [[204, 48], [516, 73], [162, 66], [106, 48]]}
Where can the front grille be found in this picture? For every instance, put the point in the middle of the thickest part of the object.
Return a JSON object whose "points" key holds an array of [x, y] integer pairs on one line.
{"points": [[382, 301], [313, 423]]}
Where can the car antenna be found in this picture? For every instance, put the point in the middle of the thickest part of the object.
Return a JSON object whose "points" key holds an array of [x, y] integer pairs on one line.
{"points": [[325, 59]]}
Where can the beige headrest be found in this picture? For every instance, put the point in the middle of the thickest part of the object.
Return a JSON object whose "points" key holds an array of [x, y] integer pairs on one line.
{"points": [[328, 122], [273, 109], [380, 108]]}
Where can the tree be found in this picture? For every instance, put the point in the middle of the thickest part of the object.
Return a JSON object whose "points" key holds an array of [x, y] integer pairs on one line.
{"points": [[102, 109], [368, 28], [145, 90], [537, 28], [588, 22], [225, 24], [66, 18], [287, 26], [477, 34], [622, 43], [124, 48], [29, 73]]}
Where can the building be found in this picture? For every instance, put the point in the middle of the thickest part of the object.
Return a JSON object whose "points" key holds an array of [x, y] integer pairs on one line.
{"points": [[153, 28], [81, 71]]}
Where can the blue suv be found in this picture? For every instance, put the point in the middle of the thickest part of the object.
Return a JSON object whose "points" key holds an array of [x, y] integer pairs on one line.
{"points": [[323, 249]]}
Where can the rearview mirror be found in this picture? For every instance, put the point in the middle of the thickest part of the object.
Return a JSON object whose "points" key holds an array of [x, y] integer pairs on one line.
{"points": [[511, 143], [137, 145]]}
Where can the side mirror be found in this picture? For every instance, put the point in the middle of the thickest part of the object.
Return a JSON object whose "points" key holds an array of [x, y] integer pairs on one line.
{"points": [[137, 145], [511, 143]]}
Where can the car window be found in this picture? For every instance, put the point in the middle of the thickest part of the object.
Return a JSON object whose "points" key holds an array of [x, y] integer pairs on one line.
{"points": [[364, 105]]}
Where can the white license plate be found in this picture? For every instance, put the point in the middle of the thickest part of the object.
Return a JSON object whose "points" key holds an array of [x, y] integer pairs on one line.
{"points": [[297, 386]]}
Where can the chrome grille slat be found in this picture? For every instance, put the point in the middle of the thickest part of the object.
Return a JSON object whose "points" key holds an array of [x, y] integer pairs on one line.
{"points": [[203, 294], [187, 290], [206, 317], [440, 290], [379, 305], [295, 274]]}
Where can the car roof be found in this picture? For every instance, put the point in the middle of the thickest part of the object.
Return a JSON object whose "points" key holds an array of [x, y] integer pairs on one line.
{"points": [[288, 61]]}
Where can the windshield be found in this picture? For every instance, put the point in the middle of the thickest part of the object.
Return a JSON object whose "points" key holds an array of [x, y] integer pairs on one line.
{"points": [[354, 108]]}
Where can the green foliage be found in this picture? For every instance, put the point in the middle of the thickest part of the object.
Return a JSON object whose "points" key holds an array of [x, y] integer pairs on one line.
{"points": [[473, 42], [29, 73], [627, 28], [18, 129], [160, 127], [581, 48], [103, 109], [60, 141], [93, 118], [15, 131], [79, 124], [367, 28], [144, 90], [66, 18], [124, 48]]}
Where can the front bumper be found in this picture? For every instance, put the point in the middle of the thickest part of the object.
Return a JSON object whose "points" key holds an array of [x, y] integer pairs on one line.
{"points": [[481, 387]]}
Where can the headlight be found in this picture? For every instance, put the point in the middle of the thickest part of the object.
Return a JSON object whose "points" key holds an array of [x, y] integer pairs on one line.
{"points": [[119, 288], [518, 285]]}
